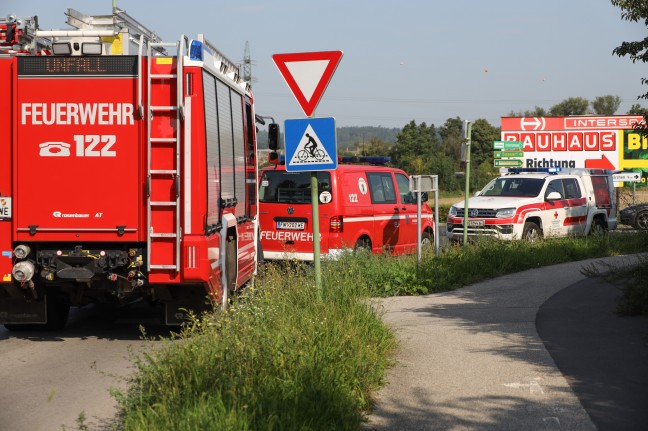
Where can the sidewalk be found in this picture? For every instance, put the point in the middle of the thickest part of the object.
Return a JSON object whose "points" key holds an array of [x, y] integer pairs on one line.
{"points": [[471, 359]]}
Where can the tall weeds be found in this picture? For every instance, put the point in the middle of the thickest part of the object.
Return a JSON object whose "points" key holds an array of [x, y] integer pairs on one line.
{"points": [[286, 357], [282, 358]]}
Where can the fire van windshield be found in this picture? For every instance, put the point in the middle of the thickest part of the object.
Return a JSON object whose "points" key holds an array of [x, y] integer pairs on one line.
{"points": [[291, 187]]}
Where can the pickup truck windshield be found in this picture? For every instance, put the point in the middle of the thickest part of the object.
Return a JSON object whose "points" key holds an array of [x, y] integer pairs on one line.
{"points": [[291, 187], [513, 186]]}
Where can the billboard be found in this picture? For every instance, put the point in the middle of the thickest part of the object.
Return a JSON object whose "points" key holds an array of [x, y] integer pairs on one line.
{"points": [[598, 142]]}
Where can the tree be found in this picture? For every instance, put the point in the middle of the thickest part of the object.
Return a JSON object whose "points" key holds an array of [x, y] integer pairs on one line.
{"points": [[570, 106], [415, 144], [536, 112], [452, 137], [637, 109], [635, 11], [376, 147], [606, 105], [481, 142]]}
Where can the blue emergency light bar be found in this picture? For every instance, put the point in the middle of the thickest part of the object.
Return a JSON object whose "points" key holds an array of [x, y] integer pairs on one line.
{"points": [[523, 170], [370, 160], [196, 50]]}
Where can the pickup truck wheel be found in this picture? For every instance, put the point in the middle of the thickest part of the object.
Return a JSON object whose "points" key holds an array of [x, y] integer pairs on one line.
{"points": [[641, 221], [531, 232], [598, 227]]}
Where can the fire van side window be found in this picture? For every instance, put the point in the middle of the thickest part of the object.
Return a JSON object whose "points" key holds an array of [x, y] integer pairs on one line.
{"points": [[382, 188]]}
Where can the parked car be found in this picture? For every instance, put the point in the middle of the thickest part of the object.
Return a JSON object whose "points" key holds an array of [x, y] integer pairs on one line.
{"points": [[635, 216]]}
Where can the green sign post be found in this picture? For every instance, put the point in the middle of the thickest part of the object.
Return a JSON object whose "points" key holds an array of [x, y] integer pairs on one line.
{"points": [[508, 145], [508, 163], [506, 154]]}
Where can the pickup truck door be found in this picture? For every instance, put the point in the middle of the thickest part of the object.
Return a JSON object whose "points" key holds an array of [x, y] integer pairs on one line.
{"points": [[577, 207], [555, 211], [568, 215]]}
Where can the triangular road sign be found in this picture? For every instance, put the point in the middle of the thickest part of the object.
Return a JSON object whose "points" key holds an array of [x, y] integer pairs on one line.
{"points": [[308, 74]]}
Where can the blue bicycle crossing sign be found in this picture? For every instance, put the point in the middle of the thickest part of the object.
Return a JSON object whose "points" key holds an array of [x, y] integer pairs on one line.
{"points": [[310, 144]]}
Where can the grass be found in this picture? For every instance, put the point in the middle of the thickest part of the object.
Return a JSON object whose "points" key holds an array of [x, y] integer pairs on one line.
{"points": [[280, 359], [283, 358]]}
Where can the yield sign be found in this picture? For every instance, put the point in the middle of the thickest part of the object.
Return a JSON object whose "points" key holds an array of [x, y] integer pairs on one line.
{"points": [[308, 74]]}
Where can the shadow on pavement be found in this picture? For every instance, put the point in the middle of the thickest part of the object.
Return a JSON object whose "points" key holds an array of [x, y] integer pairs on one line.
{"points": [[603, 356]]}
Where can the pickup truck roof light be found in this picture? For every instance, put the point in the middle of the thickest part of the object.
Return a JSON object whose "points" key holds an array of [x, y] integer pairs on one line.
{"points": [[533, 170]]}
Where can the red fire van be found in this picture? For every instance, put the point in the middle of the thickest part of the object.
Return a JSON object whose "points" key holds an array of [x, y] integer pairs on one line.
{"points": [[359, 206]]}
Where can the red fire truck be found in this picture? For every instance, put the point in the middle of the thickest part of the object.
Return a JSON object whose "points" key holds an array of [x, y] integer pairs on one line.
{"points": [[127, 170]]}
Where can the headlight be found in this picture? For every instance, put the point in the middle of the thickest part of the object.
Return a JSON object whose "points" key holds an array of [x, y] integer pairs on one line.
{"points": [[505, 213], [453, 211]]}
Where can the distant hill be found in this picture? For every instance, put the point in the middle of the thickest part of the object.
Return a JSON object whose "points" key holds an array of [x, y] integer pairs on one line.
{"points": [[346, 136]]}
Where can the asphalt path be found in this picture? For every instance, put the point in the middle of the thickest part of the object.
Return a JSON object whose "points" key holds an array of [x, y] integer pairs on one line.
{"points": [[603, 355], [471, 359], [50, 379]]}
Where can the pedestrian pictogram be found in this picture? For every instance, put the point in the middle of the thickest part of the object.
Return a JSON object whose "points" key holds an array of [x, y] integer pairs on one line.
{"points": [[310, 144], [308, 74]]}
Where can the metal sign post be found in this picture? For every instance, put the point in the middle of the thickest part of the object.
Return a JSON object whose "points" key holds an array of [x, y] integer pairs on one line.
{"points": [[310, 144], [467, 133], [419, 184]]}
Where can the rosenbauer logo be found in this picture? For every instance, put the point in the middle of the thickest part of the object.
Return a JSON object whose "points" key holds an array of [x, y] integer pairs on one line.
{"points": [[59, 214]]}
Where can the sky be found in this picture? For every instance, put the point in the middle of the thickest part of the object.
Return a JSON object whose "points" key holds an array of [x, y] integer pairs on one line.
{"points": [[409, 60]]}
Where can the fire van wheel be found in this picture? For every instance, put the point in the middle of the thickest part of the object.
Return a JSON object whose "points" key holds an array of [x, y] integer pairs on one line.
{"points": [[363, 245], [531, 232], [426, 240]]}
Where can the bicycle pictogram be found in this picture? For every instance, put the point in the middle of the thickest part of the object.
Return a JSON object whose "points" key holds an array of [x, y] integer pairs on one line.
{"points": [[318, 154]]}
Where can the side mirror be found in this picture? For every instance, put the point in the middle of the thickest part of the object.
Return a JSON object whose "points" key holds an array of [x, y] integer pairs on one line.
{"points": [[554, 196], [424, 197], [478, 193], [273, 136]]}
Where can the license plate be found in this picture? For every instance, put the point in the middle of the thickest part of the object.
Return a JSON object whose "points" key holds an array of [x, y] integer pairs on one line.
{"points": [[475, 223], [291, 225]]}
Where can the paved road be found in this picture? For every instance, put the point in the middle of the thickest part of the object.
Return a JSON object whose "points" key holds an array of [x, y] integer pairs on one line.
{"points": [[50, 378], [472, 359], [603, 356]]}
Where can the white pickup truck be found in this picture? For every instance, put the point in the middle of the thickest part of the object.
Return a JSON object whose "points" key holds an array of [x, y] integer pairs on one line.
{"points": [[531, 203]]}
